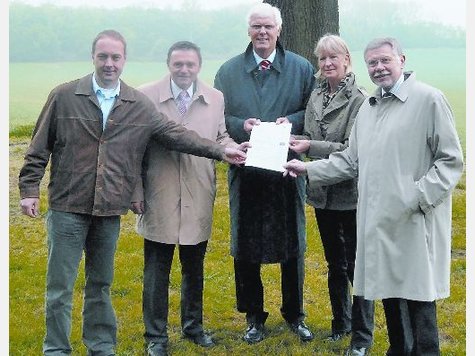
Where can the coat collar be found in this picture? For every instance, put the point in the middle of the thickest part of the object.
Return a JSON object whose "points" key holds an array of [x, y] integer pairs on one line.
{"points": [[403, 92], [277, 64], [340, 99], [165, 91], [84, 87], [346, 91]]}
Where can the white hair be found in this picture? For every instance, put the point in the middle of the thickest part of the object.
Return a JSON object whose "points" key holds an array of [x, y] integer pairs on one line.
{"points": [[265, 10]]}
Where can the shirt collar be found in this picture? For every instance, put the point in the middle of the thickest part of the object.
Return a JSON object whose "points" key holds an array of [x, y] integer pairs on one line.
{"points": [[107, 93], [176, 90], [259, 59], [395, 87]]}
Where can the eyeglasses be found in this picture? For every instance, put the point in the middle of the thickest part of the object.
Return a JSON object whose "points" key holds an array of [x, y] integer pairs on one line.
{"points": [[374, 62], [258, 27]]}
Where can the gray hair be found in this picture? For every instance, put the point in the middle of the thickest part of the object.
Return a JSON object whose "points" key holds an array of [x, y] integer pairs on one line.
{"points": [[264, 9], [380, 42], [331, 42]]}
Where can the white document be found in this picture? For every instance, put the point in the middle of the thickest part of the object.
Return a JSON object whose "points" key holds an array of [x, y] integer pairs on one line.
{"points": [[269, 146]]}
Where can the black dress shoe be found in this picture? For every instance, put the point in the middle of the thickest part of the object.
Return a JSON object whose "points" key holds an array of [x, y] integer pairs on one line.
{"points": [[302, 331], [254, 333], [338, 336], [156, 349], [201, 339], [357, 351]]}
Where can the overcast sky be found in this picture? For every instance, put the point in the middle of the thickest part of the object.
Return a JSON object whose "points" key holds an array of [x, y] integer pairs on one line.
{"points": [[444, 11]]}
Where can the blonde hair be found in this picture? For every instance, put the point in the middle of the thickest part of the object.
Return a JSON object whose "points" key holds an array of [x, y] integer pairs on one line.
{"points": [[334, 43]]}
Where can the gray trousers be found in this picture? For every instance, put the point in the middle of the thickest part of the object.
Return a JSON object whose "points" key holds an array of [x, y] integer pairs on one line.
{"points": [[69, 235]]}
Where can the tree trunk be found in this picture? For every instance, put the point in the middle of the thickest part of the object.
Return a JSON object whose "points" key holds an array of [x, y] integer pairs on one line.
{"points": [[304, 22]]}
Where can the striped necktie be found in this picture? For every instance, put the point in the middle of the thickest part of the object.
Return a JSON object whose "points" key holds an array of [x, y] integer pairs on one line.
{"points": [[182, 102], [265, 64]]}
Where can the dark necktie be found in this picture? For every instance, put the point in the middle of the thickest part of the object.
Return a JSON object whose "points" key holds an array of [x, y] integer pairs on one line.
{"points": [[265, 64], [388, 94]]}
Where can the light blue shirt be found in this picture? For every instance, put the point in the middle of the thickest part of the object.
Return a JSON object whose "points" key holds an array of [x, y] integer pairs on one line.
{"points": [[106, 99], [395, 87], [259, 59]]}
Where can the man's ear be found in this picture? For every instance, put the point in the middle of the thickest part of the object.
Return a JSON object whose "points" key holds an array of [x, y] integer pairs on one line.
{"points": [[403, 60]]}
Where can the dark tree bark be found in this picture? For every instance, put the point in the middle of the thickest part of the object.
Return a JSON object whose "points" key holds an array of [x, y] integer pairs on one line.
{"points": [[304, 22]]}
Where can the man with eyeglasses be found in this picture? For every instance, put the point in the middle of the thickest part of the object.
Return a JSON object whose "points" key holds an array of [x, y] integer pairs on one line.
{"points": [[266, 83], [406, 153]]}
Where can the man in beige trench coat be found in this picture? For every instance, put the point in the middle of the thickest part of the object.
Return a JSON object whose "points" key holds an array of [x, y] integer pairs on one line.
{"points": [[405, 150], [176, 201]]}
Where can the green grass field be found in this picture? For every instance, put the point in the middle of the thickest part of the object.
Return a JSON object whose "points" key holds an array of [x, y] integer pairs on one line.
{"points": [[30, 83], [29, 86]]}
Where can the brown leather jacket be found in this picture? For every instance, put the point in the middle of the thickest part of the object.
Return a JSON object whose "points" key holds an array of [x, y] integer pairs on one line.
{"points": [[95, 171]]}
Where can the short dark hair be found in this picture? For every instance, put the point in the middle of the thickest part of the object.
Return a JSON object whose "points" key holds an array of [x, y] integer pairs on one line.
{"points": [[184, 45], [112, 34]]}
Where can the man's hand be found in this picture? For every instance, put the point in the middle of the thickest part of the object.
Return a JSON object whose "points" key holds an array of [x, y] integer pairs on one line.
{"points": [[30, 207], [282, 120], [295, 168], [250, 123], [299, 146], [137, 207], [236, 155], [244, 146]]}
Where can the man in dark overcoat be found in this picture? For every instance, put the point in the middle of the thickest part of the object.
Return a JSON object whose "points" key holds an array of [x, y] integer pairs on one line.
{"points": [[266, 83]]}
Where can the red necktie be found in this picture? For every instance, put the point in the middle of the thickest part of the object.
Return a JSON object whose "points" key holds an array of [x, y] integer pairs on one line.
{"points": [[265, 64]]}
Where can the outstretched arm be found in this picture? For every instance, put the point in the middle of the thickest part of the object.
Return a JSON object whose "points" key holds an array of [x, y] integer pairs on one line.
{"points": [[295, 168]]}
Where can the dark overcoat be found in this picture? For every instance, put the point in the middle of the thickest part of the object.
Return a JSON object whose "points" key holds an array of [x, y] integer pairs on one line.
{"points": [[267, 210]]}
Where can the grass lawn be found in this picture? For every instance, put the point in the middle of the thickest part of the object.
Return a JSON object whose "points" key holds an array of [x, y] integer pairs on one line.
{"points": [[27, 281], [27, 257]]}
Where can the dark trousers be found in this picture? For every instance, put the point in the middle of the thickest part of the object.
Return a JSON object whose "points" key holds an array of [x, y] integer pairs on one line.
{"points": [[338, 233], [412, 327], [158, 259], [250, 291]]}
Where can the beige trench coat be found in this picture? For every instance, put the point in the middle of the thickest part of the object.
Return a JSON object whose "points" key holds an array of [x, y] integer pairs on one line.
{"points": [[179, 189], [408, 158]]}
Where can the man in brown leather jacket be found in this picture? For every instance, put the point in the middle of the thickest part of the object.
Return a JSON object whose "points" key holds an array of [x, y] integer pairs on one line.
{"points": [[95, 131]]}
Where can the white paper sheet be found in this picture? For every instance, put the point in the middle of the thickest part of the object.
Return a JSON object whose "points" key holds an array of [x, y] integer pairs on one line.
{"points": [[269, 146]]}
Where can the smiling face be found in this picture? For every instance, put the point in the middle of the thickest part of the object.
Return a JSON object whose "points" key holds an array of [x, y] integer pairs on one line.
{"points": [[184, 66], [263, 32], [109, 60], [333, 65], [384, 66]]}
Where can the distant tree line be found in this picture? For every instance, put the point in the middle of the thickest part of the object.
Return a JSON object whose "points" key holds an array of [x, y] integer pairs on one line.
{"points": [[364, 20], [51, 33]]}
